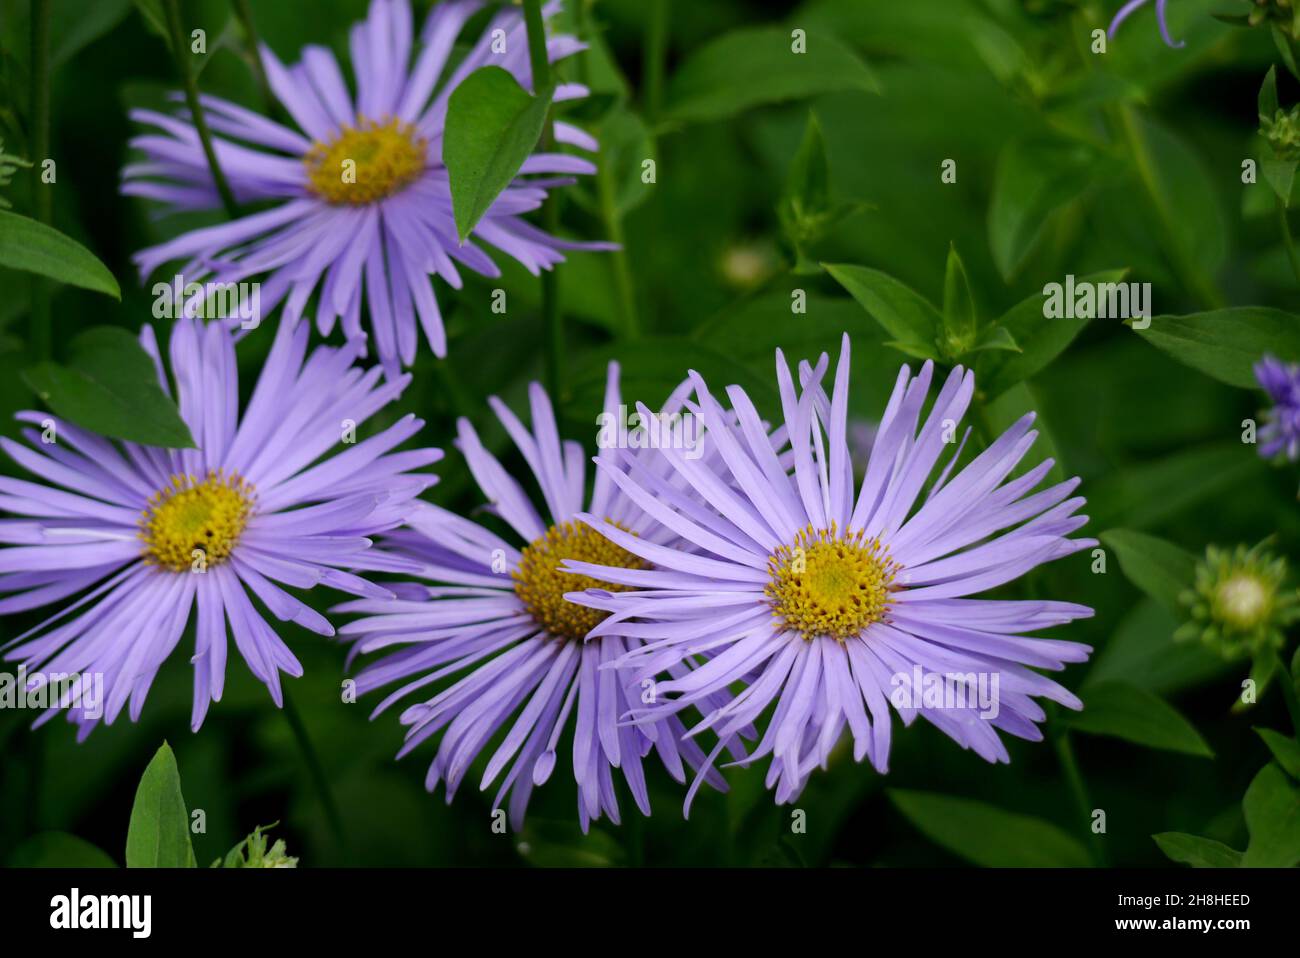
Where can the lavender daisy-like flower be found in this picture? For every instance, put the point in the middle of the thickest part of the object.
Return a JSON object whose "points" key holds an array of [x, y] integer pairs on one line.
{"points": [[1281, 432], [831, 607], [359, 202], [149, 537], [497, 614], [1131, 7]]}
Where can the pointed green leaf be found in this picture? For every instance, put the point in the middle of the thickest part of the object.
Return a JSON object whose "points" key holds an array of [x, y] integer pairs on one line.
{"points": [[757, 65], [159, 833], [34, 247], [1159, 568], [996, 338], [807, 186], [110, 386], [1226, 343], [959, 319], [1041, 339], [1268, 95], [1124, 711], [59, 850], [1285, 750], [903, 313], [1272, 810], [493, 124], [1279, 174], [987, 835], [1032, 181], [1196, 851]]}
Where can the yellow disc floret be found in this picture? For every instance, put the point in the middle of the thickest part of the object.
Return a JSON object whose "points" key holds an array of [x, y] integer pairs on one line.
{"points": [[541, 585], [827, 584], [366, 162], [195, 522]]}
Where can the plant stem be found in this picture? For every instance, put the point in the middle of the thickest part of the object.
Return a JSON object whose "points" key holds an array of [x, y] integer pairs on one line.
{"points": [[552, 320], [179, 47], [244, 14], [41, 335], [656, 45], [1287, 240], [1074, 780], [613, 221], [314, 768]]}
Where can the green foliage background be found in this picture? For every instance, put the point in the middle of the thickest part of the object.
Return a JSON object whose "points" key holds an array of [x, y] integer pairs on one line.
{"points": [[1068, 162]]}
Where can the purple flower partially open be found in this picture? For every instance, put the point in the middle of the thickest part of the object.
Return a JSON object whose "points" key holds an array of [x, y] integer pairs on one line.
{"points": [[360, 202], [830, 608]]}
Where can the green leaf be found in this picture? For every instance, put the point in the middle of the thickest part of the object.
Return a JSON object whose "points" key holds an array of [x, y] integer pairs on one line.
{"points": [[34, 247], [1040, 339], [84, 21], [1286, 750], [59, 850], [986, 835], [493, 124], [1279, 174], [1226, 343], [1268, 95], [159, 833], [907, 316], [1272, 810], [757, 65], [156, 19], [1032, 181], [1149, 493], [1124, 711], [1160, 569], [1141, 651], [110, 387], [1196, 851], [996, 338], [807, 186], [959, 318]]}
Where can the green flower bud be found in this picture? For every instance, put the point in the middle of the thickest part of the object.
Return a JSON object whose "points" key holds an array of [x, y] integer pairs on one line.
{"points": [[1239, 604]]}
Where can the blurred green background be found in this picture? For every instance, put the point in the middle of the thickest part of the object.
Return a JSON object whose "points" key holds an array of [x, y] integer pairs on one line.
{"points": [[1010, 91]]}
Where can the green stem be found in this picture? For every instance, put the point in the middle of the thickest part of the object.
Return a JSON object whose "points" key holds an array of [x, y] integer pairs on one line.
{"points": [[1192, 276], [613, 221], [41, 332], [538, 59], [1287, 240], [315, 769], [1074, 780], [244, 14], [656, 46], [180, 45], [552, 320]]}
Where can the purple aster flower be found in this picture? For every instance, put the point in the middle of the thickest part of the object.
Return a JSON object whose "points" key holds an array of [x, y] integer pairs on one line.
{"points": [[146, 536], [832, 608], [1281, 433], [497, 615], [1131, 7], [379, 236]]}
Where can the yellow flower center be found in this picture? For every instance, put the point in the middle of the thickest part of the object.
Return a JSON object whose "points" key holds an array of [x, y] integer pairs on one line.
{"points": [[541, 585], [825, 584], [194, 524], [366, 162]]}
